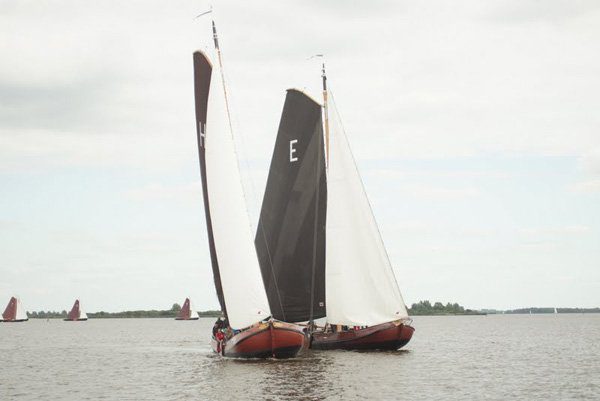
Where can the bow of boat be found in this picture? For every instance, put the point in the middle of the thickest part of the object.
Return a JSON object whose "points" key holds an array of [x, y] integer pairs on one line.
{"points": [[271, 339]]}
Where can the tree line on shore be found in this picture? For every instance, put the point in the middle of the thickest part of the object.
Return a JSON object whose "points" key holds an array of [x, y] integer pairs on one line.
{"points": [[421, 308], [169, 313], [426, 308]]}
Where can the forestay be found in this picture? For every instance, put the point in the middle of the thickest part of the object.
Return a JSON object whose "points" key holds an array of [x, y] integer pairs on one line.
{"points": [[360, 283]]}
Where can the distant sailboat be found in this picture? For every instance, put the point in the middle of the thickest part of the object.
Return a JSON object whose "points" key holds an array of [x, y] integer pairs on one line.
{"points": [[187, 312], [318, 243], [246, 329], [555, 311], [76, 314], [14, 312]]}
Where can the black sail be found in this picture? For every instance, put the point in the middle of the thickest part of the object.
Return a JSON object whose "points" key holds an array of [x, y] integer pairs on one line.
{"points": [[290, 238], [202, 76]]}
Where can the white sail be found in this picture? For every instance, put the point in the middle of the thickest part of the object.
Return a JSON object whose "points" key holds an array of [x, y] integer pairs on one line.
{"points": [[21, 313], [360, 283], [193, 312], [82, 314], [243, 290]]}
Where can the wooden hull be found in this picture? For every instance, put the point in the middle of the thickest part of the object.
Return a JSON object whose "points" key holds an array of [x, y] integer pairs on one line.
{"points": [[189, 318], [14, 321], [385, 336], [75, 320], [266, 340]]}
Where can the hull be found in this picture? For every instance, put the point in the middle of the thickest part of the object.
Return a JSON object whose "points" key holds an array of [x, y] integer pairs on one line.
{"points": [[75, 320], [385, 336], [183, 318], [266, 340], [14, 321]]}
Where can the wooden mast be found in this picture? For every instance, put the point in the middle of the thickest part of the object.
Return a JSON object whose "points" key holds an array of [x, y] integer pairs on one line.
{"points": [[326, 116], [318, 174], [216, 40]]}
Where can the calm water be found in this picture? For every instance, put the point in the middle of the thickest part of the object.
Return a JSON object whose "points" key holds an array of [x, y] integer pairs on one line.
{"points": [[481, 357]]}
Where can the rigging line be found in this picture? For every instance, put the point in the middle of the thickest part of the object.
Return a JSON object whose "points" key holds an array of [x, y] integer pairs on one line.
{"points": [[264, 235], [367, 198], [216, 43], [222, 71]]}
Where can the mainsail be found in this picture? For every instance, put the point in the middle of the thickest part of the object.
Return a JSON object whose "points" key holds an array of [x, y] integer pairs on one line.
{"points": [[14, 311], [233, 256], [290, 238], [76, 312], [361, 286], [187, 311]]}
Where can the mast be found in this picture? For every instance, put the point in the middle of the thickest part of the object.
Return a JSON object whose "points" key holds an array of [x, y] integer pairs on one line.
{"points": [[216, 41], [326, 115], [316, 223]]}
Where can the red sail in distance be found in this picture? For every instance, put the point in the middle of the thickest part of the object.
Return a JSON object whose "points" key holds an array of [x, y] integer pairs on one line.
{"points": [[185, 312], [75, 313], [10, 313]]}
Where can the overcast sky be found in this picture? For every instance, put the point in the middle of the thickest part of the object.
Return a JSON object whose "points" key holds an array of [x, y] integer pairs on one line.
{"points": [[476, 127]]}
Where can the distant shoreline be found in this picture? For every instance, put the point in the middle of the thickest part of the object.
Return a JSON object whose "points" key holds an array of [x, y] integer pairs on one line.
{"points": [[471, 313], [137, 314], [421, 309], [427, 308]]}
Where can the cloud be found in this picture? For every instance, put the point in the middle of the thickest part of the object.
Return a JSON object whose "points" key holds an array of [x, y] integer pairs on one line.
{"points": [[589, 162], [101, 93], [72, 105], [525, 11], [185, 192], [438, 193], [553, 232], [590, 186], [405, 89]]}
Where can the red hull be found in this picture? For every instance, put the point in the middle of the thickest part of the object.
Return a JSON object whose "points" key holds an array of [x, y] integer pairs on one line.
{"points": [[385, 336], [266, 340]]}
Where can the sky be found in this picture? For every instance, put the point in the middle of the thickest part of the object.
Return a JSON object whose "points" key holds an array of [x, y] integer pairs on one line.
{"points": [[474, 124]]}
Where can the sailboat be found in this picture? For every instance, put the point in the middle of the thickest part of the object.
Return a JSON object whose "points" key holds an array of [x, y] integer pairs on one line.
{"points": [[319, 246], [187, 311], [14, 312], [76, 314], [246, 329]]}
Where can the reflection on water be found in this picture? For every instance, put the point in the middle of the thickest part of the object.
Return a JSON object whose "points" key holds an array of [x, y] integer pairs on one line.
{"points": [[478, 357]]}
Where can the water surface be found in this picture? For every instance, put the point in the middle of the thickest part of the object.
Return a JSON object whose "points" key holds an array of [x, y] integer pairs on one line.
{"points": [[517, 357]]}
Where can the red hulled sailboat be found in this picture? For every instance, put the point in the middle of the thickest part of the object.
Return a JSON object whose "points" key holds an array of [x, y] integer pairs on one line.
{"points": [[14, 312], [187, 311], [76, 314], [320, 249], [247, 329]]}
